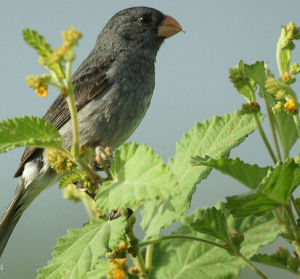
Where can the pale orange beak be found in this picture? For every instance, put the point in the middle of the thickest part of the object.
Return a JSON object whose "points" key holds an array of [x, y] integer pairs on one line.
{"points": [[168, 27]]}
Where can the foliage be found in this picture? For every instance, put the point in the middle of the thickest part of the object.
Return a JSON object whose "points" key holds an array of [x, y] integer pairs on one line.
{"points": [[212, 242]]}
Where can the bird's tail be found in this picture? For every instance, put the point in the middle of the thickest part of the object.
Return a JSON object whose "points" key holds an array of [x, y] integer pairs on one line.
{"points": [[24, 195], [12, 215]]}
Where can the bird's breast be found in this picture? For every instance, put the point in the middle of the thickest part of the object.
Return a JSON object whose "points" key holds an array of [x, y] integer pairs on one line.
{"points": [[110, 118]]}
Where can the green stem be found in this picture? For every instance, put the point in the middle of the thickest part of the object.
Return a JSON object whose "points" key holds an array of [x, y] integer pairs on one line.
{"points": [[278, 54], [73, 111], [149, 254], [252, 266], [297, 123], [56, 85], [273, 131], [264, 138], [140, 265], [87, 202], [294, 228], [181, 236]]}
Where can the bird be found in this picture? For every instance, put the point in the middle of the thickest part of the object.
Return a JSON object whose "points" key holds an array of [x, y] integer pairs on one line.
{"points": [[113, 88]]}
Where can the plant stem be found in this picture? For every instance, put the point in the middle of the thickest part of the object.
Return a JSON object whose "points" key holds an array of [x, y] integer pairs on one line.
{"points": [[273, 131], [90, 208], [264, 137], [181, 236], [149, 254], [252, 266], [73, 111], [294, 228], [140, 265], [278, 53]]}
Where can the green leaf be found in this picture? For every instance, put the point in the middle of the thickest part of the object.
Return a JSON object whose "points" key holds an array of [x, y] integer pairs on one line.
{"points": [[286, 129], [99, 272], [249, 175], [213, 138], [214, 224], [249, 204], [243, 84], [256, 72], [138, 175], [281, 259], [28, 131], [38, 42], [274, 190], [181, 259], [79, 251]]}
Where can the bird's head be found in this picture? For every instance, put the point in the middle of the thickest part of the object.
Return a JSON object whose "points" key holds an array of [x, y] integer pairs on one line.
{"points": [[138, 27]]}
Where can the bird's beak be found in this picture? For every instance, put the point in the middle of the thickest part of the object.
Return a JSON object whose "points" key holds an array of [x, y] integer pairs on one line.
{"points": [[168, 27]]}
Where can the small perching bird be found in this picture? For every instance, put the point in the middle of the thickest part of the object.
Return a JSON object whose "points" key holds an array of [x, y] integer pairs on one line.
{"points": [[113, 89]]}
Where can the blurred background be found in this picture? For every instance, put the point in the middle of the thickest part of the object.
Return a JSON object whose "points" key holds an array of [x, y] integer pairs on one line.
{"points": [[191, 85]]}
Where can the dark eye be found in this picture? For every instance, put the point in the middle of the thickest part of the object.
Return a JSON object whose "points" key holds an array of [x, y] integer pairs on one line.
{"points": [[145, 19]]}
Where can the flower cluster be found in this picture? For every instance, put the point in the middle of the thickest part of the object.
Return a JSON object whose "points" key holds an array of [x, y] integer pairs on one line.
{"points": [[59, 162], [285, 95], [39, 84], [87, 183], [117, 269], [290, 32], [70, 37], [295, 69]]}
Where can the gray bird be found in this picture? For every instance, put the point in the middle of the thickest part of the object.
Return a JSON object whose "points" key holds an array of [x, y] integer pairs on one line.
{"points": [[113, 90]]}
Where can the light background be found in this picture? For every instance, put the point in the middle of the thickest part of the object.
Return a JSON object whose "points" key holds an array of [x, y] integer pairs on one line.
{"points": [[191, 85]]}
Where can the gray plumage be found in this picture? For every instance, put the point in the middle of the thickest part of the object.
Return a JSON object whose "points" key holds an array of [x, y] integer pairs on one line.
{"points": [[113, 89]]}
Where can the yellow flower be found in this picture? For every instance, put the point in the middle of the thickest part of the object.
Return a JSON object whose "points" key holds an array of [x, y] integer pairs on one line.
{"points": [[119, 274], [39, 84], [291, 106], [71, 36], [41, 91]]}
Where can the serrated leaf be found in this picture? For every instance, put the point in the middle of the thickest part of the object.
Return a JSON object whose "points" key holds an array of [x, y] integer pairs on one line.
{"points": [[79, 251], [138, 175], [275, 261], [99, 272], [181, 259], [274, 190], [28, 131], [38, 42], [213, 138], [249, 204], [213, 223], [256, 72], [249, 175], [243, 84]]}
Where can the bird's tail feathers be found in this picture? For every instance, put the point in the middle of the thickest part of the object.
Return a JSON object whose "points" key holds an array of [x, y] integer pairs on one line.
{"points": [[12, 215]]}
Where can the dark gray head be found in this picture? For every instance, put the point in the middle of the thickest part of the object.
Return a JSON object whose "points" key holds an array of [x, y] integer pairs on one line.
{"points": [[137, 27]]}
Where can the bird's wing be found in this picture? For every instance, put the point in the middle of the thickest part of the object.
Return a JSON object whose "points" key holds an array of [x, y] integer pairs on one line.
{"points": [[88, 82]]}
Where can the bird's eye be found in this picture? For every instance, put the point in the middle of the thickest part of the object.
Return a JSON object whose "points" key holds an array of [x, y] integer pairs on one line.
{"points": [[145, 19]]}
